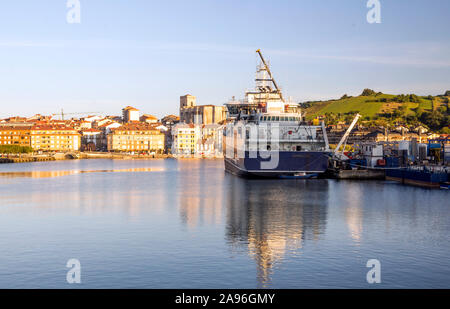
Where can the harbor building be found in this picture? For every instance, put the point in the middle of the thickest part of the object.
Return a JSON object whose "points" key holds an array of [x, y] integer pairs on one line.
{"points": [[191, 113], [130, 114], [91, 139], [169, 122], [15, 135], [210, 142], [185, 138], [140, 137], [54, 138], [197, 140]]}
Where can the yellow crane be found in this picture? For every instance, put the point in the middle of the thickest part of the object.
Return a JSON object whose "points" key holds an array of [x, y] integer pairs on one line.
{"points": [[270, 74]]}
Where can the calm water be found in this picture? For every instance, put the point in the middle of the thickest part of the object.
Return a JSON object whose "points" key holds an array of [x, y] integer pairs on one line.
{"points": [[188, 224]]}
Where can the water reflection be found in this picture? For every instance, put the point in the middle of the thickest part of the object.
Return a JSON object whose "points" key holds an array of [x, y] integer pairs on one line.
{"points": [[52, 174], [354, 212], [200, 195], [195, 226], [273, 219]]}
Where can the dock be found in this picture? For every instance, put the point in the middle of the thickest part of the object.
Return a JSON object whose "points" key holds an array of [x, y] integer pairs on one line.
{"points": [[361, 174], [26, 160]]}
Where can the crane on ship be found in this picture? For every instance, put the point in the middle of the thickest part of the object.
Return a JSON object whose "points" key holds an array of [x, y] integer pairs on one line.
{"points": [[271, 79], [62, 114]]}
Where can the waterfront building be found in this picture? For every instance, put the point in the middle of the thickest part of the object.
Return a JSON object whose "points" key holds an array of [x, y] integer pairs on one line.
{"points": [[15, 135], [197, 140], [130, 114], [169, 122], [185, 138], [191, 113], [49, 137], [210, 142], [136, 136], [91, 139], [105, 126]]}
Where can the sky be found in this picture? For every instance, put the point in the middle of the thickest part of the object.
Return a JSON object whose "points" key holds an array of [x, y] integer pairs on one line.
{"points": [[148, 53]]}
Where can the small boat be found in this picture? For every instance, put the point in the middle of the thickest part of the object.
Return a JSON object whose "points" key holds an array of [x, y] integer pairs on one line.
{"points": [[300, 176], [444, 185]]}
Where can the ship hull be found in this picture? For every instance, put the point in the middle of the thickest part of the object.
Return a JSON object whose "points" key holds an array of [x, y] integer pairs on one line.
{"points": [[417, 177], [289, 164]]}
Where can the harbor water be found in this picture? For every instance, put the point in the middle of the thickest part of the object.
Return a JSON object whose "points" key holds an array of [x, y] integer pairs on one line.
{"points": [[188, 224]]}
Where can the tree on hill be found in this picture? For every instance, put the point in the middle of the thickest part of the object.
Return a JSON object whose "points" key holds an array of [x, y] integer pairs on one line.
{"points": [[368, 92], [419, 111], [435, 120], [345, 96], [447, 93], [402, 98]]}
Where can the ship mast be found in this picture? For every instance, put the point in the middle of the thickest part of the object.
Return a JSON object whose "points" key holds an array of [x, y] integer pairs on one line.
{"points": [[266, 67]]}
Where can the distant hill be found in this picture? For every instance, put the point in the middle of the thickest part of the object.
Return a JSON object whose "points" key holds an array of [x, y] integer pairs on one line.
{"points": [[410, 108]]}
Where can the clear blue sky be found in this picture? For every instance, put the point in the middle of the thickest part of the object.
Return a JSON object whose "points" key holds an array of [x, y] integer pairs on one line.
{"points": [[148, 53]]}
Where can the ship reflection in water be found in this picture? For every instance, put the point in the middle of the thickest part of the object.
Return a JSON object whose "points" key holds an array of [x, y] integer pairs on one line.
{"points": [[273, 218]]}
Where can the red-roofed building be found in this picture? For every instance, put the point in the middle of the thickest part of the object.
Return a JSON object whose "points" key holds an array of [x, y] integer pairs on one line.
{"points": [[136, 137], [15, 135], [149, 118], [129, 114], [54, 138]]}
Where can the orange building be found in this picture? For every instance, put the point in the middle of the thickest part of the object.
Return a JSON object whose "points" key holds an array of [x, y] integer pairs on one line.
{"points": [[136, 136], [54, 138], [15, 135]]}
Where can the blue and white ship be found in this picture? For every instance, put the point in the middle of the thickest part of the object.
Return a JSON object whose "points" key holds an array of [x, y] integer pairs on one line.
{"points": [[266, 136]]}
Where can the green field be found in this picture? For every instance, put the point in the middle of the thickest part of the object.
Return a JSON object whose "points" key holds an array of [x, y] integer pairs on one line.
{"points": [[367, 106]]}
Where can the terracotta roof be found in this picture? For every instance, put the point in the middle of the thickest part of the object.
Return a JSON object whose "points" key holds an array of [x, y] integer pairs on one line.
{"points": [[137, 126], [130, 108], [171, 117], [149, 116], [9, 128], [107, 124], [51, 127], [91, 130]]}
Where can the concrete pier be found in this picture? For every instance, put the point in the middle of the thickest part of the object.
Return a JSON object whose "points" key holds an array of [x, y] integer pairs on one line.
{"points": [[361, 174]]}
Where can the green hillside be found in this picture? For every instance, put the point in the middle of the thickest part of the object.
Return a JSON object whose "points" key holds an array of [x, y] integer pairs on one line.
{"points": [[432, 111]]}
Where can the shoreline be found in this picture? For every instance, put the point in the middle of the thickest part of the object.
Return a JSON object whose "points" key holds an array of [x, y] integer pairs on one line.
{"points": [[88, 156]]}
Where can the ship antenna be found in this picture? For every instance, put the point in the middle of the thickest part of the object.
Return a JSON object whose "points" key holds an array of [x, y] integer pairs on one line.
{"points": [[270, 74]]}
